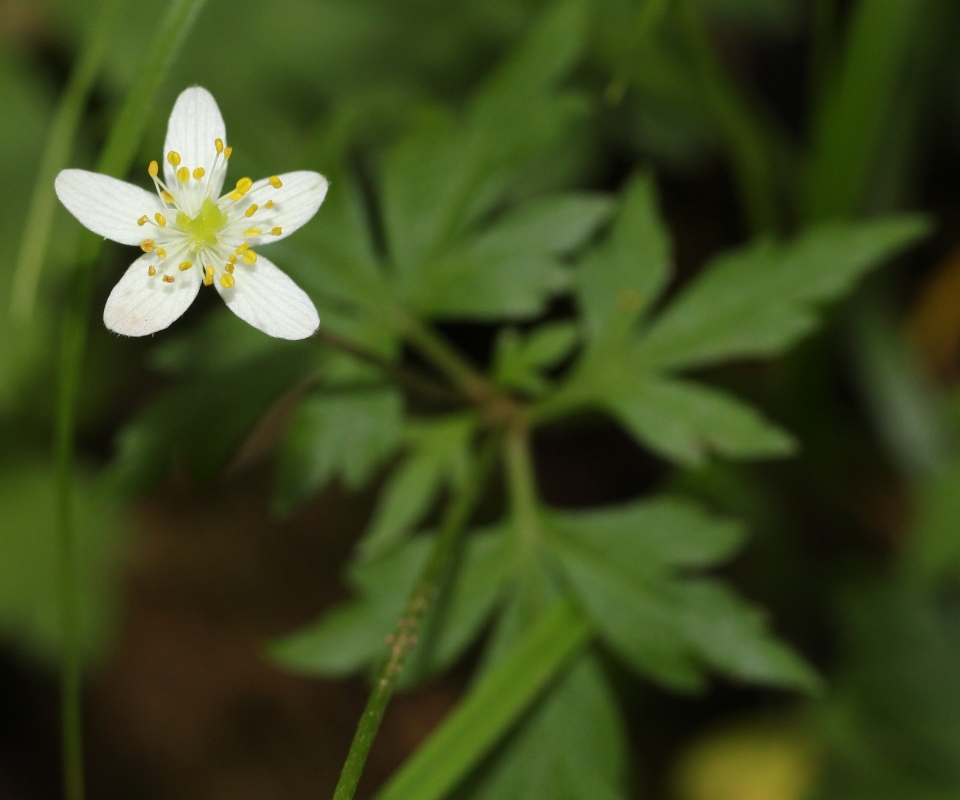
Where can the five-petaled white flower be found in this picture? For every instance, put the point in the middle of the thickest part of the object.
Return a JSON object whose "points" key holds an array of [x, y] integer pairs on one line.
{"points": [[190, 235]]}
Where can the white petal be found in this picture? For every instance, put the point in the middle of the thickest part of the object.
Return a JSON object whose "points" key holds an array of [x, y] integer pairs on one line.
{"points": [[195, 125], [294, 204], [106, 206], [266, 298], [140, 304]]}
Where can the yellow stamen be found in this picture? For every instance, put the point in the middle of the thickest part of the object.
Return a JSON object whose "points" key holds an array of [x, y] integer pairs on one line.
{"points": [[251, 211], [168, 279], [235, 195], [243, 249], [161, 253], [277, 231], [229, 267], [183, 174], [243, 185], [143, 220], [167, 197], [227, 281], [151, 270], [269, 204], [185, 265], [174, 158], [252, 232], [250, 257], [147, 245], [161, 220], [198, 173], [233, 259], [218, 142], [208, 275], [227, 153], [275, 182], [153, 169]]}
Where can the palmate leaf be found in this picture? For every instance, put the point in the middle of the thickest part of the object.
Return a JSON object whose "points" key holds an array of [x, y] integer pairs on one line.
{"points": [[352, 637], [519, 360], [344, 435], [630, 568]]}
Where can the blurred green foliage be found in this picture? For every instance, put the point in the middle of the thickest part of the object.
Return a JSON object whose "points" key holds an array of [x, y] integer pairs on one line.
{"points": [[499, 165]]}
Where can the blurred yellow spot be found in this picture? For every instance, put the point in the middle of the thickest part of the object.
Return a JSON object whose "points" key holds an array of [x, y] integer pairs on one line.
{"points": [[207, 275], [198, 173], [243, 185], [161, 253], [250, 257], [218, 143], [151, 270], [183, 174], [269, 204], [228, 152], [153, 169], [275, 182], [166, 196], [252, 232], [168, 279], [161, 220], [174, 158], [147, 245], [229, 267], [251, 211], [243, 249], [143, 220], [227, 281], [185, 265], [277, 231]]}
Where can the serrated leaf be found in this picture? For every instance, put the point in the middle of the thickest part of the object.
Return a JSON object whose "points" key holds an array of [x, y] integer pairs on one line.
{"points": [[344, 435], [643, 602], [685, 421], [352, 637], [759, 301], [519, 360], [571, 745], [438, 456], [619, 280]]}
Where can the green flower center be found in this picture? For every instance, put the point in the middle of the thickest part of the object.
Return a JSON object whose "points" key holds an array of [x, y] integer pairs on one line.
{"points": [[204, 227]]}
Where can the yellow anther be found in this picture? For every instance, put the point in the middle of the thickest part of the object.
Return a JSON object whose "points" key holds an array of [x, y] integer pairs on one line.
{"points": [[227, 281], [168, 279], [174, 158], [228, 152], [161, 253], [235, 195], [183, 174], [143, 220], [229, 267], [275, 182], [153, 169], [243, 249], [233, 259], [251, 211], [161, 220], [151, 270], [185, 265], [198, 173], [208, 274], [167, 197], [250, 257], [252, 232], [243, 185], [218, 143], [269, 204], [147, 245], [277, 231]]}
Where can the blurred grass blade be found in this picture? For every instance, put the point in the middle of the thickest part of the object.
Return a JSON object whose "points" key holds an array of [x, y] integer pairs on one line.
{"points": [[119, 151], [856, 110], [36, 235], [491, 709]]}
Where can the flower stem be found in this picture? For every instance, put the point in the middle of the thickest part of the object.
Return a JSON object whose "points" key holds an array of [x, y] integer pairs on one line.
{"points": [[521, 481], [405, 634], [445, 358]]}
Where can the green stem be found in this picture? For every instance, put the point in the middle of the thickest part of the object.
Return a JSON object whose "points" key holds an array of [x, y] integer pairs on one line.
{"points": [[405, 634], [36, 229], [823, 42], [448, 361], [118, 154], [521, 480]]}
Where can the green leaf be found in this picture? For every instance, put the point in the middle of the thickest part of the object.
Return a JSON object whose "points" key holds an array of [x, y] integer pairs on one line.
{"points": [[344, 435], [630, 569], [620, 279], [759, 301], [438, 454], [570, 745], [933, 547], [352, 636], [519, 360], [685, 421], [29, 598], [491, 709]]}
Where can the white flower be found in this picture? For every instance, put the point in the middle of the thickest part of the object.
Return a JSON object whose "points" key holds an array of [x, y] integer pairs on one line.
{"points": [[191, 235]]}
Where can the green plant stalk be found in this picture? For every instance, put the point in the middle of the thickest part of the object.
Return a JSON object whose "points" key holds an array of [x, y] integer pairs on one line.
{"points": [[118, 154], [521, 481], [433, 347], [404, 637], [755, 150], [491, 709], [36, 235], [823, 51]]}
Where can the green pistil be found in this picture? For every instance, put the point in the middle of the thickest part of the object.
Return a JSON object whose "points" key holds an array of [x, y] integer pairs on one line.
{"points": [[204, 227]]}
